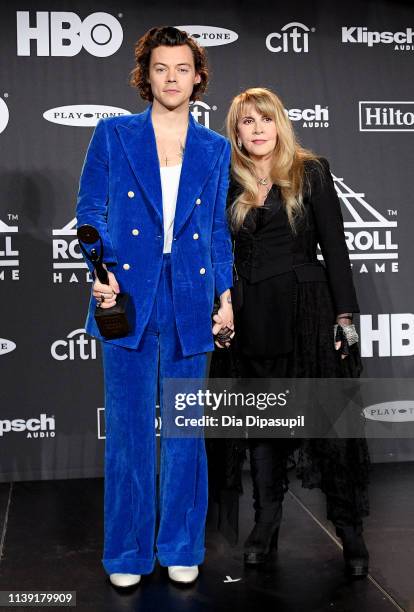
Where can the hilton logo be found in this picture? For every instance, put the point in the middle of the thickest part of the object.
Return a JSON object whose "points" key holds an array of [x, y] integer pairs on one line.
{"points": [[386, 116]]}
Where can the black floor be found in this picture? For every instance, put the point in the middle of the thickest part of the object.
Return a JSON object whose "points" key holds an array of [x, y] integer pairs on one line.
{"points": [[50, 538]]}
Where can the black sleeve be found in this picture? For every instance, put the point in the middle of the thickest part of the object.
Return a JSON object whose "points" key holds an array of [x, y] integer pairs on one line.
{"points": [[330, 233]]}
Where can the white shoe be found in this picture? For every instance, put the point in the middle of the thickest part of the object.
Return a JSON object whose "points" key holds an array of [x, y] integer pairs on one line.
{"points": [[124, 580], [183, 573]]}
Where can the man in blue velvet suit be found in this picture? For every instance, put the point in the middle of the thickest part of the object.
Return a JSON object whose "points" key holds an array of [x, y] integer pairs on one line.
{"points": [[154, 184]]}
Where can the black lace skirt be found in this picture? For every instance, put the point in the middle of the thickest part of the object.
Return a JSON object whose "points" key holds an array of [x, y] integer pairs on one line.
{"points": [[339, 467]]}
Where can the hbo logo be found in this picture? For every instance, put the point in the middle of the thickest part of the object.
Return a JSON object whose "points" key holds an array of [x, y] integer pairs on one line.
{"points": [[64, 34]]}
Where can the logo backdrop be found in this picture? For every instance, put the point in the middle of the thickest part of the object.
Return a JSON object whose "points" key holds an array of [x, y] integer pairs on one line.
{"points": [[345, 75]]}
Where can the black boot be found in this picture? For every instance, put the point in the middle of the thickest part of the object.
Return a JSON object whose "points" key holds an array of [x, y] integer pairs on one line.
{"points": [[268, 469], [355, 552], [261, 541]]}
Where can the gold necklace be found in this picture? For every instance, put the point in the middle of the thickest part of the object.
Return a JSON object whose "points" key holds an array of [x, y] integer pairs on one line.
{"points": [[180, 154]]}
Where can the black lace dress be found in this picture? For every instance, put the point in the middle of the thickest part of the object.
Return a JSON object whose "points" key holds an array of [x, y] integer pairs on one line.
{"points": [[339, 467]]}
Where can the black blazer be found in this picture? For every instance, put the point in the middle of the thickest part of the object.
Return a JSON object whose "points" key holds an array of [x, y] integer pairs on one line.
{"points": [[321, 223]]}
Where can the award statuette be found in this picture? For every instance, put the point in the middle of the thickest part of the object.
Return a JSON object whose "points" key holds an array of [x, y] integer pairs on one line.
{"points": [[112, 322]]}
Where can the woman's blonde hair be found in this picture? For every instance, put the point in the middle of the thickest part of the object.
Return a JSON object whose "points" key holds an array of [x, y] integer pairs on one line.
{"points": [[288, 157]]}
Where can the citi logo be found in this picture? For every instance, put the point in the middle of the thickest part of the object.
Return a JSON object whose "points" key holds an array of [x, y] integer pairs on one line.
{"points": [[67, 256], [401, 411], [64, 34], [310, 117], [9, 254], [209, 36], [101, 430], [293, 36], [4, 115], [402, 41], [387, 335], [6, 346], [386, 116], [42, 427], [369, 235], [76, 345], [82, 115], [201, 112]]}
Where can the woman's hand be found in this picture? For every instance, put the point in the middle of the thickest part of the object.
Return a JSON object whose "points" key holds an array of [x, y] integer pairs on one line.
{"points": [[224, 320], [344, 335], [106, 294]]}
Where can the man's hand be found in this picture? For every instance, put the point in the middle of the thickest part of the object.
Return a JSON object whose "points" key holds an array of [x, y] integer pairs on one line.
{"points": [[224, 318], [106, 294]]}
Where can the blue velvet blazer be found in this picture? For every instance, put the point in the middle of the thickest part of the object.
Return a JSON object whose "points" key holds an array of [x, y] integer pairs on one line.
{"points": [[120, 194]]}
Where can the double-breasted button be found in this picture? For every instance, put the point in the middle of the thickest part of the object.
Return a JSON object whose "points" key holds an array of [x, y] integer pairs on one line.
{"points": [[202, 270], [135, 232], [198, 201], [195, 236], [126, 266], [131, 194]]}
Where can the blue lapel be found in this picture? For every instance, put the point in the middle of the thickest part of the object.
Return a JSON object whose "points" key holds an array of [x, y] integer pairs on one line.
{"points": [[200, 156]]}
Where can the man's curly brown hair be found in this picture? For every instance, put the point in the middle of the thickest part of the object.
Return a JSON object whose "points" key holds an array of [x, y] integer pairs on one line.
{"points": [[171, 37]]}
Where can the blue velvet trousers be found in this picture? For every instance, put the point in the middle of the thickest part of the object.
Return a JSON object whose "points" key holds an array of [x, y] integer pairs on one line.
{"points": [[131, 499]]}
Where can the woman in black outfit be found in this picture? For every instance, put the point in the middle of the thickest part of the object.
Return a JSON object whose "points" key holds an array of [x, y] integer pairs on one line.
{"points": [[281, 203]]}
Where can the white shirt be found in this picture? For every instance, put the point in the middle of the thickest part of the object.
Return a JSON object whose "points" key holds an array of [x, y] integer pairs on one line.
{"points": [[170, 180]]}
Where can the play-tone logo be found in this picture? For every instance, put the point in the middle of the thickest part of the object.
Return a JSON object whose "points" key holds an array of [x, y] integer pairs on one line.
{"points": [[293, 36], [201, 112], [9, 255], [401, 41], [209, 36], [401, 411], [4, 115], [76, 345], [386, 116], [316, 117], [83, 115], [6, 346], [42, 427], [369, 235], [388, 335], [67, 256], [64, 34]]}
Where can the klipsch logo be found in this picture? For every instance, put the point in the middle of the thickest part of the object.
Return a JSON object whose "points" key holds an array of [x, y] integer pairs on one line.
{"points": [[401, 41], [65, 34], [293, 36], [386, 116], [9, 255], [101, 430], [201, 112], [209, 36], [369, 235], [67, 256], [6, 346], [76, 345], [316, 117], [83, 115], [42, 427], [387, 335], [401, 411]]}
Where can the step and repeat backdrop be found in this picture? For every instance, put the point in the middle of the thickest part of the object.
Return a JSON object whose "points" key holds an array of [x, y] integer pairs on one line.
{"points": [[344, 73]]}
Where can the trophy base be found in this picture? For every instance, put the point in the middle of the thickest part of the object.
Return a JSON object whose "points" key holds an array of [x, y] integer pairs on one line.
{"points": [[113, 322]]}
